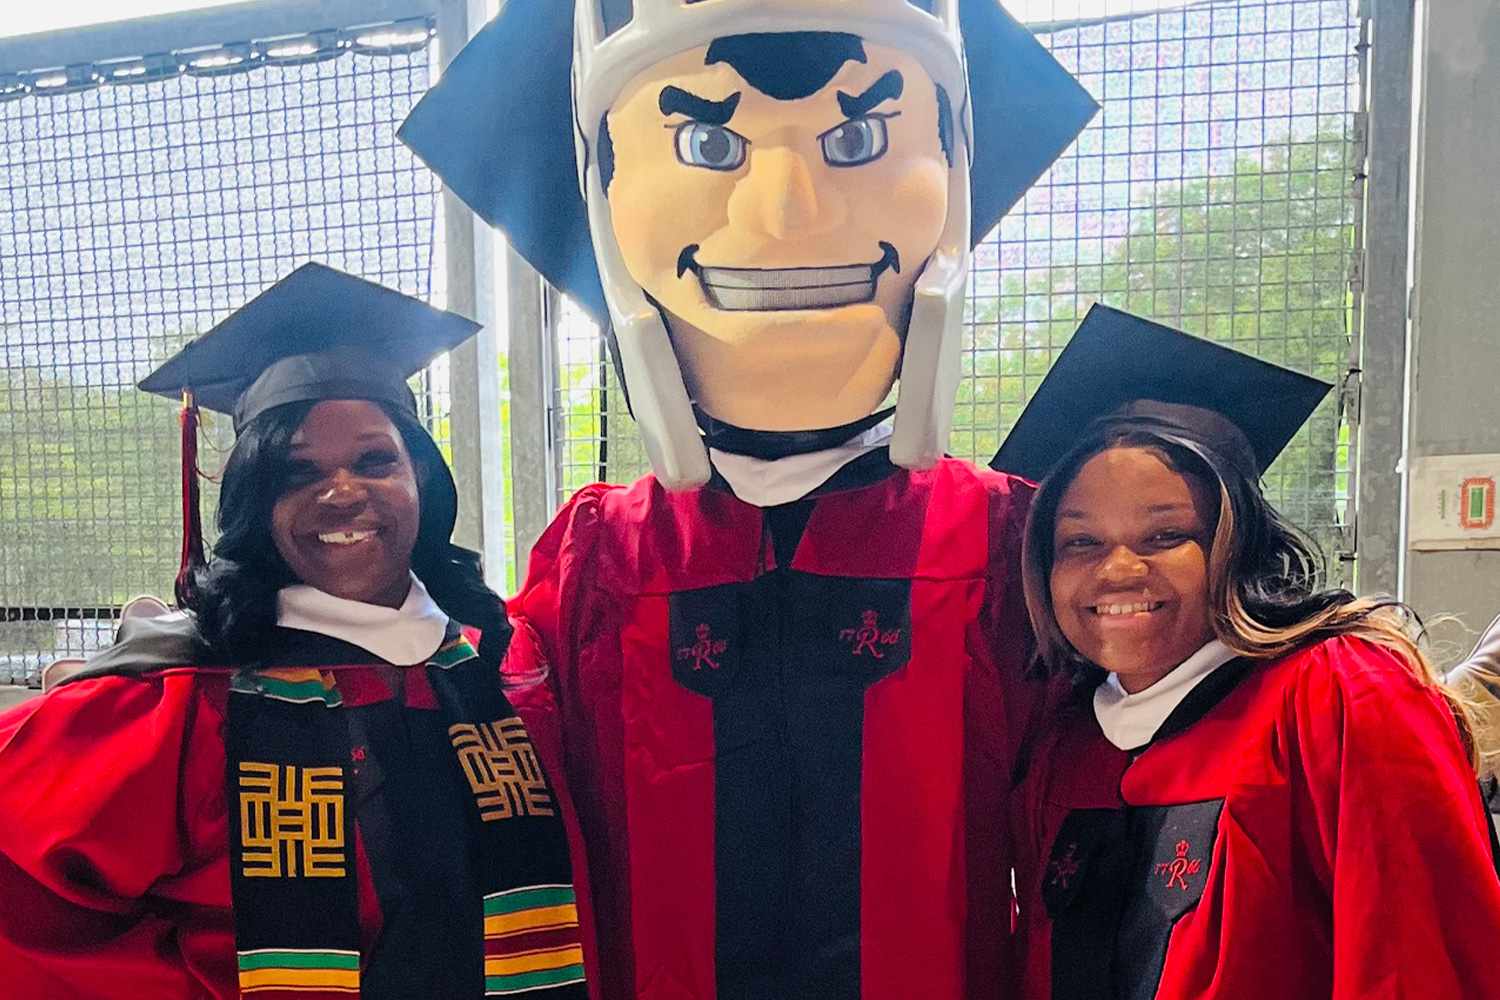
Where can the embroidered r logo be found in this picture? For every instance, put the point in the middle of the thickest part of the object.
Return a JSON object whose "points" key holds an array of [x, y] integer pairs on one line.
{"points": [[1060, 871], [1180, 867], [869, 637], [704, 650]]}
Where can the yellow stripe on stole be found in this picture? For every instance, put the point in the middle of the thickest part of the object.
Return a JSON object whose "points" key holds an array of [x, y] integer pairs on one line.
{"points": [[541, 918], [300, 675], [299, 979], [533, 961]]}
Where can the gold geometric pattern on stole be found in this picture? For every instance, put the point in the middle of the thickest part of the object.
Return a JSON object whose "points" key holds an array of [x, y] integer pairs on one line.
{"points": [[502, 768], [291, 821]]}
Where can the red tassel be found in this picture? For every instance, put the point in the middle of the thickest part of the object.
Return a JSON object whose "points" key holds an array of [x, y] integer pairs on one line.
{"points": [[192, 521]]}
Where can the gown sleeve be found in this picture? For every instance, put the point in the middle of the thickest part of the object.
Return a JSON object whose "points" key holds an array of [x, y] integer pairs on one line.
{"points": [[548, 605], [1400, 831], [92, 782]]}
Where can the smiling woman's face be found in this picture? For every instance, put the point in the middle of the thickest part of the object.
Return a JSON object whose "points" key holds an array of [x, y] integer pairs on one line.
{"points": [[782, 238], [1130, 565], [347, 518]]}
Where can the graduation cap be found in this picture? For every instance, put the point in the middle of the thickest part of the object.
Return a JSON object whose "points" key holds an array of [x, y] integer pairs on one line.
{"points": [[1122, 367], [316, 334], [498, 128]]}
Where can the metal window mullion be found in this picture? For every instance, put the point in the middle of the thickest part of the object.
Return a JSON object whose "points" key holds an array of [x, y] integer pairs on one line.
{"points": [[474, 369], [1381, 476], [1349, 403], [533, 445]]}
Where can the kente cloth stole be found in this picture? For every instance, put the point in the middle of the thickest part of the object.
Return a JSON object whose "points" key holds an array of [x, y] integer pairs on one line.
{"points": [[293, 873]]}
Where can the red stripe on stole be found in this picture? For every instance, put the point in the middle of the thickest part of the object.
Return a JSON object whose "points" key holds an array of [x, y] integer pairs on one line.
{"points": [[419, 693], [362, 685], [669, 789], [302, 995], [515, 944]]}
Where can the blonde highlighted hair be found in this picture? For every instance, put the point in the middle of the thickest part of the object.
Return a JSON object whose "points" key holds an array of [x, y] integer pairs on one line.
{"points": [[1264, 576]]}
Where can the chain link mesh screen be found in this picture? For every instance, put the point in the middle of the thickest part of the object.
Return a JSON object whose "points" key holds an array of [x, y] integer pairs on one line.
{"points": [[1213, 192], [132, 217]]}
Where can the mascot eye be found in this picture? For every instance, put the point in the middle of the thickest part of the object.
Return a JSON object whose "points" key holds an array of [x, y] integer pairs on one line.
{"points": [[856, 142], [713, 147]]}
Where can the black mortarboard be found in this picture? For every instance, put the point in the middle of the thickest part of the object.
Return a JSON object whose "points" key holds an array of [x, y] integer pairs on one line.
{"points": [[1121, 367], [316, 334], [498, 129]]}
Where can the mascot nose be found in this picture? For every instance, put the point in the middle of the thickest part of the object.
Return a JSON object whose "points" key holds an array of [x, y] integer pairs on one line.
{"points": [[779, 197]]}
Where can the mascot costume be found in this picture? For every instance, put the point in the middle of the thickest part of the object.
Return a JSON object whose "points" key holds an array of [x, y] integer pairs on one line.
{"points": [[784, 673]]}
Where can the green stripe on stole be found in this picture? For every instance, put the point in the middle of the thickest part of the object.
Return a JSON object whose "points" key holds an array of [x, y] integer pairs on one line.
{"points": [[528, 899], [273, 959], [522, 982]]}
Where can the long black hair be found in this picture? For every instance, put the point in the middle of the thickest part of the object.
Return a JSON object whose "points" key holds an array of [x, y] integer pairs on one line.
{"points": [[234, 595]]}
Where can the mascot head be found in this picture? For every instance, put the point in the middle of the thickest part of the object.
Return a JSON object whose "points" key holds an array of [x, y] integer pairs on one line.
{"points": [[769, 204]]}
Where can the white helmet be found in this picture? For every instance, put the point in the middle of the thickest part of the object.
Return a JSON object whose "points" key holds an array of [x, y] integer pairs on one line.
{"points": [[616, 40], [508, 128]]}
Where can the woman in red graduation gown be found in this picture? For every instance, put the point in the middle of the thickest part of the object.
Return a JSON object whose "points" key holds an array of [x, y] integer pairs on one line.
{"points": [[311, 783], [1252, 789]]}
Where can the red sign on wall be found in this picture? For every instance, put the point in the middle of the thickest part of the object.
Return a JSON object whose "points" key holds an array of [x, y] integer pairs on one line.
{"points": [[1477, 503]]}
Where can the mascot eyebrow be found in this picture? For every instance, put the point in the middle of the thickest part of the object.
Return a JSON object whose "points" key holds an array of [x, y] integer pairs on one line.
{"points": [[887, 88], [676, 101]]}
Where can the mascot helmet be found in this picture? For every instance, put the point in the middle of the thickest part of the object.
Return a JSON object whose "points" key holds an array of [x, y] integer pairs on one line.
{"points": [[614, 40], [529, 92]]}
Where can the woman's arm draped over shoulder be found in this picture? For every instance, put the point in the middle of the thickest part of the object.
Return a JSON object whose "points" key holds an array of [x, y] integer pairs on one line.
{"points": [[1415, 897], [92, 818]]}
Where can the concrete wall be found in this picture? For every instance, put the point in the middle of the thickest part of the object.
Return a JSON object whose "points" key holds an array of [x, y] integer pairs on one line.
{"points": [[1455, 359]]}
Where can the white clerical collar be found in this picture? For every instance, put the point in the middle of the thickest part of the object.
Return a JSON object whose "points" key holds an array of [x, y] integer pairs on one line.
{"points": [[771, 482], [1130, 720], [404, 636]]}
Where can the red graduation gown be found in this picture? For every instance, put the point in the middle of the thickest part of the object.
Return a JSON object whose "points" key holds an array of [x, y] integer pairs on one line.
{"points": [[114, 838], [114, 856], [1316, 834], [789, 767]]}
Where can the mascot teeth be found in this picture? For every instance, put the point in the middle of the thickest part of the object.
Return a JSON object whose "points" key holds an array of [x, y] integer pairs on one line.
{"points": [[734, 288]]}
